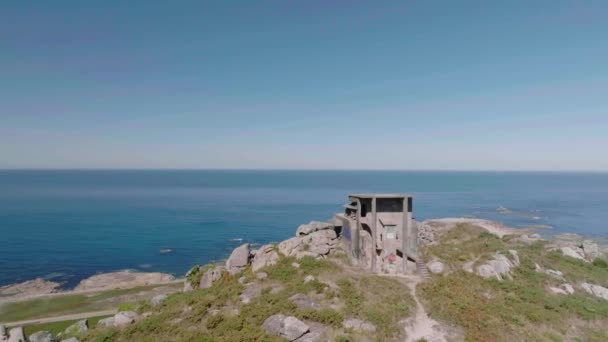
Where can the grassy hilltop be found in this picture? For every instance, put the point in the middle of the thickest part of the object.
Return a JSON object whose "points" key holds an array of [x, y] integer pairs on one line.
{"points": [[457, 302]]}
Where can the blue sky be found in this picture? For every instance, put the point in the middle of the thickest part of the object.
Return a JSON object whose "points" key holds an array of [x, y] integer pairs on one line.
{"points": [[483, 85]]}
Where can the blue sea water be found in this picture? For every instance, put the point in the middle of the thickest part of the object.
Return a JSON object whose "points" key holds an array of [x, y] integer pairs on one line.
{"points": [[68, 225]]}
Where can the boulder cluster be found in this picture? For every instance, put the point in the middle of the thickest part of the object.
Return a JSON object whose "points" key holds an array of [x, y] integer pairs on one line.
{"points": [[315, 239], [17, 335], [499, 267]]}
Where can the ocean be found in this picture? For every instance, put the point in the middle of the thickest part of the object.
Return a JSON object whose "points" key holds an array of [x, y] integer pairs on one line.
{"points": [[67, 225]]}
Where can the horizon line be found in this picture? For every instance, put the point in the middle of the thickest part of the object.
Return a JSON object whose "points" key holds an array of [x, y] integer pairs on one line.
{"points": [[296, 170]]}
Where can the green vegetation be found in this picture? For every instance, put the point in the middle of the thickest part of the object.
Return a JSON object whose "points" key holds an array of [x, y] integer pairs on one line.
{"points": [[57, 327], [216, 313], [517, 309], [67, 304]]}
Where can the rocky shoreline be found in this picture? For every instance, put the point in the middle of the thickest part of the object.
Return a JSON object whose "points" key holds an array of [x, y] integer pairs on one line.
{"points": [[319, 236], [39, 287], [321, 240]]}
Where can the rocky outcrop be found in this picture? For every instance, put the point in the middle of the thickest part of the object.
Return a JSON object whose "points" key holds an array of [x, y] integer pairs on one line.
{"points": [[210, 276], [288, 327], [71, 339], [157, 300], [436, 267], [16, 335], [563, 289], [312, 227], [250, 293], [122, 279], [573, 252], [302, 301], [591, 250], [29, 288], [529, 239], [106, 322], [315, 240], [359, 325], [596, 290], [79, 327], [124, 318], [264, 256], [42, 336], [499, 267], [238, 260]]}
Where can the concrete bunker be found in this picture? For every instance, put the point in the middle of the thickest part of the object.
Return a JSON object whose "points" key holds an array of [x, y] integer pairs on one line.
{"points": [[380, 232]]}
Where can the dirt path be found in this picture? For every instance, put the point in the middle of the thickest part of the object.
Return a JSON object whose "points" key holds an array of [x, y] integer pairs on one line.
{"points": [[71, 317], [421, 326]]}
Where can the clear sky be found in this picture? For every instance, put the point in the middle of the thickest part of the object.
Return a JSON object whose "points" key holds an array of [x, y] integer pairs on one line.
{"points": [[497, 85]]}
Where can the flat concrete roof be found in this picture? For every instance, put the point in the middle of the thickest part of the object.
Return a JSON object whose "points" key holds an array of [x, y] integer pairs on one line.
{"points": [[381, 195]]}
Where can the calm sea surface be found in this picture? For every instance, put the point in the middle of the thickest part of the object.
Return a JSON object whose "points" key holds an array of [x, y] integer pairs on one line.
{"points": [[68, 225]]}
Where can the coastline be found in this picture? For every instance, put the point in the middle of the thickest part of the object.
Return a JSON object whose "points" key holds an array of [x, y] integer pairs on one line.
{"points": [[127, 279]]}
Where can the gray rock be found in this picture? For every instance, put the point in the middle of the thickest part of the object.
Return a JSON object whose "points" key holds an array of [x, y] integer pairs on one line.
{"points": [[2, 330], [436, 267], [312, 227], [42, 336], [291, 246], [265, 256], [487, 271], [261, 275], [242, 280], [157, 300], [274, 324], [316, 333], [210, 276], [591, 249], [187, 287], [336, 222], [290, 327], [320, 249], [359, 325], [308, 279], [250, 293], [238, 260], [555, 274], [79, 327], [515, 257], [295, 265], [501, 264], [16, 335], [596, 290], [573, 253], [293, 328], [304, 302], [71, 339], [568, 288], [124, 318], [106, 322]]}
